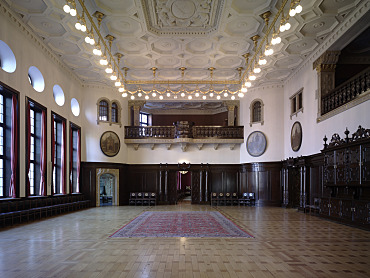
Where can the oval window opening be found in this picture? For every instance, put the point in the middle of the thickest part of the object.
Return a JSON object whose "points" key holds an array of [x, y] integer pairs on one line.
{"points": [[36, 79], [7, 58], [75, 107], [58, 95]]}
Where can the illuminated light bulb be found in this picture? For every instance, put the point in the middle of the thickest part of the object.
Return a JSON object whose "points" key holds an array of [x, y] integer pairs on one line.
{"points": [[109, 70], [292, 12], [298, 9], [175, 97], [124, 95], [78, 25], [204, 97], [121, 90], [83, 28], [87, 39], [244, 89], [240, 95], [282, 28], [146, 97], [92, 41], [218, 97], [248, 84], [154, 94], [197, 94], [257, 70], [252, 77], [182, 94], [168, 94], [225, 94], [211, 94], [113, 77], [104, 62], [190, 97], [132, 97], [287, 26], [262, 62], [117, 83], [73, 12], [139, 94], [232, 97], [277, 40], [66, 8], [97, 52], [161, 97]]}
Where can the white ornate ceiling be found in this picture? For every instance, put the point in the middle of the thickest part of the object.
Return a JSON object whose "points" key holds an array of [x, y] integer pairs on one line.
{"points": [[195, 34]]}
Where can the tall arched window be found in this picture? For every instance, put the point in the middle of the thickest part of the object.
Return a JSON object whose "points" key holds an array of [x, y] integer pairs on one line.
{"points": [[114, 113], [256, 109], [103, 110]]}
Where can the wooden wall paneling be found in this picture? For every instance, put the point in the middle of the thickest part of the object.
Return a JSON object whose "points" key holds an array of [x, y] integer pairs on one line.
{"points": [[171, 187], [216, 181], [365, 167], [195, 187], [353, 167]]}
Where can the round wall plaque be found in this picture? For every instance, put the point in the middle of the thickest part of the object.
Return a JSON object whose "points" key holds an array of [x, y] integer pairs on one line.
{"points": [[296, 136], [110, 143], [256, 143]]}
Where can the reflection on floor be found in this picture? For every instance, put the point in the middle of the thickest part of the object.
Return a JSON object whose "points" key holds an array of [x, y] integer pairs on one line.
{"points": [[286, 244]]}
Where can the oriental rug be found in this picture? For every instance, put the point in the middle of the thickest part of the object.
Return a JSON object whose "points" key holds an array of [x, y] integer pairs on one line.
{"points": [[180, 224]]}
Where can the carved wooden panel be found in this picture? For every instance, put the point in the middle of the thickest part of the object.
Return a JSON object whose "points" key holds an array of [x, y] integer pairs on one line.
{"points": [[365, 171], [195, 187], [329, 170], [172, 187], [354, 160], [325, 206], [335, 208], [341, 157], [362, 212], [346, 210]]}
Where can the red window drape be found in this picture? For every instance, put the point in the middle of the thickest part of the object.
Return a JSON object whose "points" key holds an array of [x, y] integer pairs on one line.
{"points": [[63, 160], [43, 154], [53, 151], [71, 160], [14, 149], [78, 160]]}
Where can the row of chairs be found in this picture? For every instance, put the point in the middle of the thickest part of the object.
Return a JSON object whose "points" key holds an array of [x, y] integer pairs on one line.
{"points": [[24, 210], [233, 199], [143, 199]]}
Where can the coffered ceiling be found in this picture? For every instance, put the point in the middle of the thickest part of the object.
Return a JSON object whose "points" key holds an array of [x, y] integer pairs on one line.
{"points": [[195, 34]]}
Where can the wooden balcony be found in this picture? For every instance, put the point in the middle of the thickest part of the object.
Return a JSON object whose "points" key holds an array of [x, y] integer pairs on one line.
{"points": [[184, 134]]}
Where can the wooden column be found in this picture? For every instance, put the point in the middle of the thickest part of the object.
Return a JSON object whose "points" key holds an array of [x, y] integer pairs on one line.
{"points": [[200, 185]]}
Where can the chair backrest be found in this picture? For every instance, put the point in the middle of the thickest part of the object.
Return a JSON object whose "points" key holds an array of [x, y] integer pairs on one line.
{"points": [[235, 195], [251, 195], [214, 194], [245, 195], [133, 195], [228, 195], [220, 194], [146, 194], [153, 194], [139, 194]]}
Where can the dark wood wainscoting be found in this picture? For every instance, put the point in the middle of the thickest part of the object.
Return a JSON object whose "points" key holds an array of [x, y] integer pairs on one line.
{"points": [[261, 178]]}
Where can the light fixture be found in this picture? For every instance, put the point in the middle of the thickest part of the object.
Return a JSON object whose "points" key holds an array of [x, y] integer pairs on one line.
{"points": [[124, 95], [103, 61], [204, 97], [240, 95], [139, 94], [232, 97], [182, 94], [160, 97], [262, 61], [109, 69], [121, 89], [257, 70], [225, 94], [117, 83], [113, 77], [66, 8], [154, 94], [211, 94], [97, 51], [168, 94], [132, 97], [197, 94], [252, 77], [248, 84], [190, 97], [244, 89], [218, 97], [146, 97]]}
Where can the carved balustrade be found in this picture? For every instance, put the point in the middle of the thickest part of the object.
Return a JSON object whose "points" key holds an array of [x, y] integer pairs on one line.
{"points": [[231, 132], [141, 132], [346, 92]]}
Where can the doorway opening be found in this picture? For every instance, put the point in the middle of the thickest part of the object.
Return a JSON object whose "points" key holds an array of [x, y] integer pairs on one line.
{"points": [[184, 186], [106, 187]]}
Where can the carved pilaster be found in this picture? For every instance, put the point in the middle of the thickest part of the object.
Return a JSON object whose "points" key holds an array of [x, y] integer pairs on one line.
{"points": [[136, 106]]}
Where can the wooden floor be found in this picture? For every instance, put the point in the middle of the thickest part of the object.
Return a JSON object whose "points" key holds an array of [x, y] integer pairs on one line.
{"points": [[287, 243]]}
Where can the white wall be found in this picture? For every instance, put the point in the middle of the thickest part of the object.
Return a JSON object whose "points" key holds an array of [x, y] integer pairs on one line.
{"points": [[29, 52], [272, 97]]}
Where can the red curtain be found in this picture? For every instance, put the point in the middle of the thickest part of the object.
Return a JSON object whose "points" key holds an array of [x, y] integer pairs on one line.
{"points": [[63, 160], [78, 160], [53, 152], [14, 149], [71, 160], [43, 154]]}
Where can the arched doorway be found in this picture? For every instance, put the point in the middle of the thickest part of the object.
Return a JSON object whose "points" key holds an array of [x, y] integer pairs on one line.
{"points": [[184, 186], [107, 181]]}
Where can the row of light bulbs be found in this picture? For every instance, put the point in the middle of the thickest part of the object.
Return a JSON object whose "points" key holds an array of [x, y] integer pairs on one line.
{"points": [[295, 8], [70, 8], [182, 95]]}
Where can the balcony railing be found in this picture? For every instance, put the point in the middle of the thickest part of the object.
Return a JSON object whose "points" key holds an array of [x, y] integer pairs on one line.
{"points": [[196, 132], [143, 132], [346, 92]]}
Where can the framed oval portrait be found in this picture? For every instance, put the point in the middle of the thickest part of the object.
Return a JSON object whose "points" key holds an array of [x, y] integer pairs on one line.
{"points": [[110, 143], [256, 143], [296, 136]]}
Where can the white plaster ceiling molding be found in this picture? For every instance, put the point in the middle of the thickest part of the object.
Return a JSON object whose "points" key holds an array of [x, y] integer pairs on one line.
{"points": [[233, 46], [117, 6], [199, 46], [165, 46], [60, 45], [320, 26], [251, 6], [131, 46], [198, 62], [124, 26], [229, 62], [303, 46], [242, 26], [76, 62], [46, 27], [29, 6], [290, 61], [169, 74], [168, 62], [137, 62], [182, 17], [225, 74]]}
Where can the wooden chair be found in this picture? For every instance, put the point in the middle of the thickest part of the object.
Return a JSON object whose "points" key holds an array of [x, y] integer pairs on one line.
{"points": [[214, 198], [244, 199], [228, 199], [252, 198], [153, 199], [234, 199], [146, 201], [132, 200], [221, 199]]}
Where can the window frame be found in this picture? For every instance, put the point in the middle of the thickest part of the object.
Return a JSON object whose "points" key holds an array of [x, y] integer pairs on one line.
{"points": [[296, 103], [109, 118], [251, 108], [8, 92], [73, 127], [141, 123], [56, 118]]}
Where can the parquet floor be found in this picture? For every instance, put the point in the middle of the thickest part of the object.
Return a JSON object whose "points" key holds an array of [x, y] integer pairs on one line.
{"points": [[286, 244]]}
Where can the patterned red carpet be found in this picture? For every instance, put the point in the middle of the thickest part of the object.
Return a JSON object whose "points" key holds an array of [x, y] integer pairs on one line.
{"points": [[180, 224]]}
